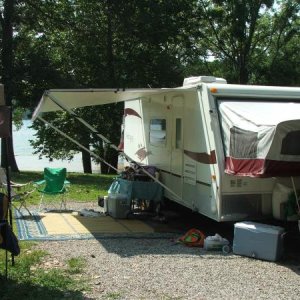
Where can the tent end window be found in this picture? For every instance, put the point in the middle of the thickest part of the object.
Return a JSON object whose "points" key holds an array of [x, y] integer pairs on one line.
{"points": [[243, 143], [290, 143]]}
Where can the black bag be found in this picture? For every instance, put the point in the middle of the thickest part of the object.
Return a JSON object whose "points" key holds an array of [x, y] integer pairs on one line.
{"points": [[8, 239], [3, 207]]}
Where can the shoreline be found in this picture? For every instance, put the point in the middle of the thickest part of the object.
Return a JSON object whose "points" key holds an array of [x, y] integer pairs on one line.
{"points": [[27, 161], [34, 163]]}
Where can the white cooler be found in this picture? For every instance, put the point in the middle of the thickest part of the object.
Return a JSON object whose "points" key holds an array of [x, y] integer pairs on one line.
{"points": [[258, 240]]}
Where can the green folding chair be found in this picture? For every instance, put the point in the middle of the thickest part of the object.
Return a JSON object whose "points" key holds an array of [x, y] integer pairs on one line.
{"points": [[53, 185]]}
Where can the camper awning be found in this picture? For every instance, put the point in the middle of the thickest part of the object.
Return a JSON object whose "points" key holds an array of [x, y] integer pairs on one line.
{"points": [[261, 139], [73, 98], [55, 100]]}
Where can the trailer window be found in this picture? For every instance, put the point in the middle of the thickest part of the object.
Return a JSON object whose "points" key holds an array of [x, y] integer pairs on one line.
{"points": [[290, 143], [158, 132], [243, 143]]}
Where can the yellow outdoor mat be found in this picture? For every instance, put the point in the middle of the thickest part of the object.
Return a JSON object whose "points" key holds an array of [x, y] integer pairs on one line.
{"points": [[68, 225]]}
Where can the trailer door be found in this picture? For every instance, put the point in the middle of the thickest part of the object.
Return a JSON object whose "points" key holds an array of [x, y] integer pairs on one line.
{"points": [[177, 142]]}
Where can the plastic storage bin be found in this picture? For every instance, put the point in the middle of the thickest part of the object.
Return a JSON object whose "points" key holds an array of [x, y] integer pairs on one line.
{"points": [[258, 240], [118, 206]]}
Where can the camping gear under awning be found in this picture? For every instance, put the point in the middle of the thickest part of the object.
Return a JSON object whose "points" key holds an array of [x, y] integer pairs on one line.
{"points": [[137, 189], [261, 139]]}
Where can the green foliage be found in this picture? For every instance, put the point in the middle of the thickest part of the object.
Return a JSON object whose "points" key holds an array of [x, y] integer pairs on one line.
{"points": [[247, 37], [57, 280], [75, 265], [24, 272], [278, 66], [127, 44], [114, 296], [138, 43]]}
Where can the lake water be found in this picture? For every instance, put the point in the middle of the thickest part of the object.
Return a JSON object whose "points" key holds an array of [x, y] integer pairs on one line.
{"points": [[27, 161]]}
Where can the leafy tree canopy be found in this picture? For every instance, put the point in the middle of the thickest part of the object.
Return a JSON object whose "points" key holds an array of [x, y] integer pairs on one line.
{"points": [[140, 43]]}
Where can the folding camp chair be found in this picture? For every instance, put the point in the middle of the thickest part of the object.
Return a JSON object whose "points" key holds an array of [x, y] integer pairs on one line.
{"points": [[19, 191], [53, 185]]}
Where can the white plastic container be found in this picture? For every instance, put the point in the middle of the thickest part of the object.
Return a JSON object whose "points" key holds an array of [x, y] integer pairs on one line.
{"points": [[215, 243]]}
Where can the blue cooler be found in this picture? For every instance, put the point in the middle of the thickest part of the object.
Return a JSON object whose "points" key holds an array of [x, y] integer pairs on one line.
{"points": [[258, 240]]}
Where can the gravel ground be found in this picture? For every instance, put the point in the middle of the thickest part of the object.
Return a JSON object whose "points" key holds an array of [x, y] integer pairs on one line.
{"points": [[130, 268]]}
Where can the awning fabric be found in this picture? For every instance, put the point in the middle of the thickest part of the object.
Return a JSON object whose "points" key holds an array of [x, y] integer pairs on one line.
{"points": [[73, 98], [261, 139]]}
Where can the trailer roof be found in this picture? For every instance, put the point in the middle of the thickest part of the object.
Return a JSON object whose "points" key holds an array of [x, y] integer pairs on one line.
{"points": [[254, 91]]}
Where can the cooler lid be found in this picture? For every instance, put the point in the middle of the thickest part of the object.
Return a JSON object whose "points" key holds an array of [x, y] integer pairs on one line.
{"points": [[259, 228]]}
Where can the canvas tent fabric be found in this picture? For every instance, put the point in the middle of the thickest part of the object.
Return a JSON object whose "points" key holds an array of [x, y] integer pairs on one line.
{"points": [[259, 138]]}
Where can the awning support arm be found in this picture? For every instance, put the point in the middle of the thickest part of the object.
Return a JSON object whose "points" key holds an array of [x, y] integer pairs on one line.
{"points": [[77, 143], [91, 128]]}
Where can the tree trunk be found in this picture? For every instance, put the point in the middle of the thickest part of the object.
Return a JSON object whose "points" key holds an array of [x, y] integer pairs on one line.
{"points": [[243, 74], [7, 154], [105, 169], [110, 156], [7, 149], [86, 161], [110, 54]]}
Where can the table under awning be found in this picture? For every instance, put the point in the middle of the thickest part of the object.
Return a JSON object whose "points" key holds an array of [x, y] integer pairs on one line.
{"points": [[146, 190]]}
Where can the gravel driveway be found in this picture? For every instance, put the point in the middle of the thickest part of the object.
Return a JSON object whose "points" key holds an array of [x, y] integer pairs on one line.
{"points": [[159, 268]]}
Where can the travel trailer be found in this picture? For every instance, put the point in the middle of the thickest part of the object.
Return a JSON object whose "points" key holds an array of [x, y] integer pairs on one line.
{"points": [[221, 149]]}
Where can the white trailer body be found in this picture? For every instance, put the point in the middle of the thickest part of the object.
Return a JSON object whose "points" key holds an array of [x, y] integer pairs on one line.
{"points": [[182, 134], [220, 148]]}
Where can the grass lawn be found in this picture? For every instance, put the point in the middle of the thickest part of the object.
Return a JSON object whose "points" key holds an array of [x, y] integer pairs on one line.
{"points": [[29, 279], [84, 187]]}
